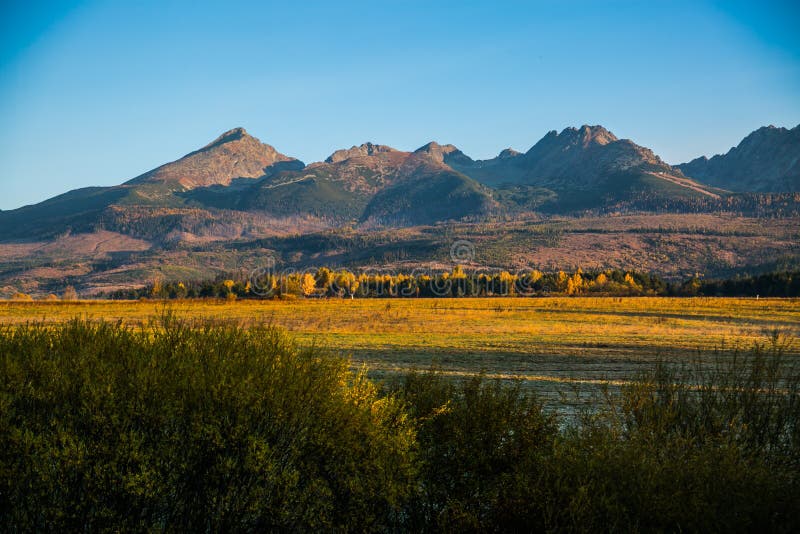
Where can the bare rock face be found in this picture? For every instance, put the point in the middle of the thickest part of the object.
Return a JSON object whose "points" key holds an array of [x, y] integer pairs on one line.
{"points": [[445, 154], [578, 158], [584, 153], [767, 160], [366, 149], [585, 136], [234, 154]]}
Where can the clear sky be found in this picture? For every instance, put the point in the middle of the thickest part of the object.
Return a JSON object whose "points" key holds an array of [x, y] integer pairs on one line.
{"points": [[94, 93]]}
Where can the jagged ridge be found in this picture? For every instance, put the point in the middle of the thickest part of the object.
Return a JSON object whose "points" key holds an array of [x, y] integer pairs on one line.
{"points": [[766, 160]]}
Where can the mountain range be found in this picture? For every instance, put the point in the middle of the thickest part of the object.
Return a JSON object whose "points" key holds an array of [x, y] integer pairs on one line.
{"points": [[577, 169], [237, 189]]}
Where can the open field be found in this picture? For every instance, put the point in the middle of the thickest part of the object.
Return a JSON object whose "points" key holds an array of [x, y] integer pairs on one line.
{"points": [[551, 343]]}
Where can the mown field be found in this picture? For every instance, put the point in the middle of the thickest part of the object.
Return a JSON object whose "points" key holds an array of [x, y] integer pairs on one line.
{"points": [[550, 343]]}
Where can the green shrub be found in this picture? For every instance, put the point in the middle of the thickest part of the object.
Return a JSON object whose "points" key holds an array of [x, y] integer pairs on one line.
{"points": [[215, 428], [695, 448], [480, 442], [699, 448]]}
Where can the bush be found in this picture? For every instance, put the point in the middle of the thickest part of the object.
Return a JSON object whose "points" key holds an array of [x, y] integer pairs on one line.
{"points": [[699, 448], [696, 448], [219, 428], [480, 442]]}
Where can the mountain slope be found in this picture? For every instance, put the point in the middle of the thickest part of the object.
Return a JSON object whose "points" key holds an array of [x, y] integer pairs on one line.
{"points": [[338, 189], [767, 160], [429, 198], [72, 212], [584, 167], [375, 183], [426, 190], [234, 154]]}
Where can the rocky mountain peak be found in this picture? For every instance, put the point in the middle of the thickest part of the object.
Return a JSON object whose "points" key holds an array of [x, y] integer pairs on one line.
{"points": [[508, 153], [435, 148], [234, 134], [234, 154], [443, 153], [365, 149], [587, 135]]}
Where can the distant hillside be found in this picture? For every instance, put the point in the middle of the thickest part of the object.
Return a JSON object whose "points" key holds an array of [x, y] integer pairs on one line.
{"points": [[767, 160], [430, 195]]}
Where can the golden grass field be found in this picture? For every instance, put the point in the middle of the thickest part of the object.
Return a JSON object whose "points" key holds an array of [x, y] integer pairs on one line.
{"points": [[545, 341]]}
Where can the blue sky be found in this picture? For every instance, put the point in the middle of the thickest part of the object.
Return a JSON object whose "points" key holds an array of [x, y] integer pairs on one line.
{"points": [[94, 93]]}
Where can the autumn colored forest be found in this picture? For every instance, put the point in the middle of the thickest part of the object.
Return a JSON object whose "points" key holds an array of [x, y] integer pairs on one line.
{"points": [[458, 282]]}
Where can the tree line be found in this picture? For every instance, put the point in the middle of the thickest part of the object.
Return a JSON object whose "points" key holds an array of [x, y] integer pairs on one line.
{"points": [[768, 205], [328, 283]]}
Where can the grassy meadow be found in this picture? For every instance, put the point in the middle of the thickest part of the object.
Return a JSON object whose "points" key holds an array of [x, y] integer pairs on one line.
{"points": [[550, 343]]}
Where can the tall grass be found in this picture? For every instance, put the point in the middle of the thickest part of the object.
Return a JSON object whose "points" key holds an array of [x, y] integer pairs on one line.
{"points": [[215, 427]]}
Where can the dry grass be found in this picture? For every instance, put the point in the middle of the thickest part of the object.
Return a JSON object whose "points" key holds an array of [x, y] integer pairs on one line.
{"points": [[556, 339]]}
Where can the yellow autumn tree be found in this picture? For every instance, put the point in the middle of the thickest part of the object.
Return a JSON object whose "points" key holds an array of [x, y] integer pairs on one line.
{"points": [[387, 284], [308, 285], [575, 283], [631, 282], [180, 290], [346, 283]]}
